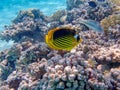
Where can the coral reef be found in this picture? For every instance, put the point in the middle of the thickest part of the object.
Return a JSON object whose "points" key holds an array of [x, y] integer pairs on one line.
{"points": [[73, 4], [110, 21], [115, 2], [27, 25], [92, 65], [71, 73], [113, 19], [33, 13], [84, 10], [58, 15]]}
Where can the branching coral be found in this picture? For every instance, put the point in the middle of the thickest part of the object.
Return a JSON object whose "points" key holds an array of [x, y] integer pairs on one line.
{"points": [[73, 3], [116, 9], [58, 14], [4, 72], [71, 73], [113, 19], [115, 2], [32, 13], [110, 21], [27, 25]]}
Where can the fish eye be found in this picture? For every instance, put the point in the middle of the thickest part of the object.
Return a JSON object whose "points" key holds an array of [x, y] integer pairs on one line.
{"points": [[77, 37]]}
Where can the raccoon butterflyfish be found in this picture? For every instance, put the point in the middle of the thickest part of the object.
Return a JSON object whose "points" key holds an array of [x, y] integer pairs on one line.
{"points": [[62, 39]]}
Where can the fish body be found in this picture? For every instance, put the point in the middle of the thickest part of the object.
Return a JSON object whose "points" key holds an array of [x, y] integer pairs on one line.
{"points": [[92, 4], [62, 39], [94, 25]]}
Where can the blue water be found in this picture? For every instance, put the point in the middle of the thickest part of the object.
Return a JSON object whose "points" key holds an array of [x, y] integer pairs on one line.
{"points": [[10, 8]]}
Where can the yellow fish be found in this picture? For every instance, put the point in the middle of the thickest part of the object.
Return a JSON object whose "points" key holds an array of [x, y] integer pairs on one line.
{"points": [[62, 38]]}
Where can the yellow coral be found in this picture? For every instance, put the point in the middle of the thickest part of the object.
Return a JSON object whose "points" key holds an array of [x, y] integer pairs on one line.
{"points": [[116, 9], [92, 63], [115, 2], [30, 13], [110, 21]]}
